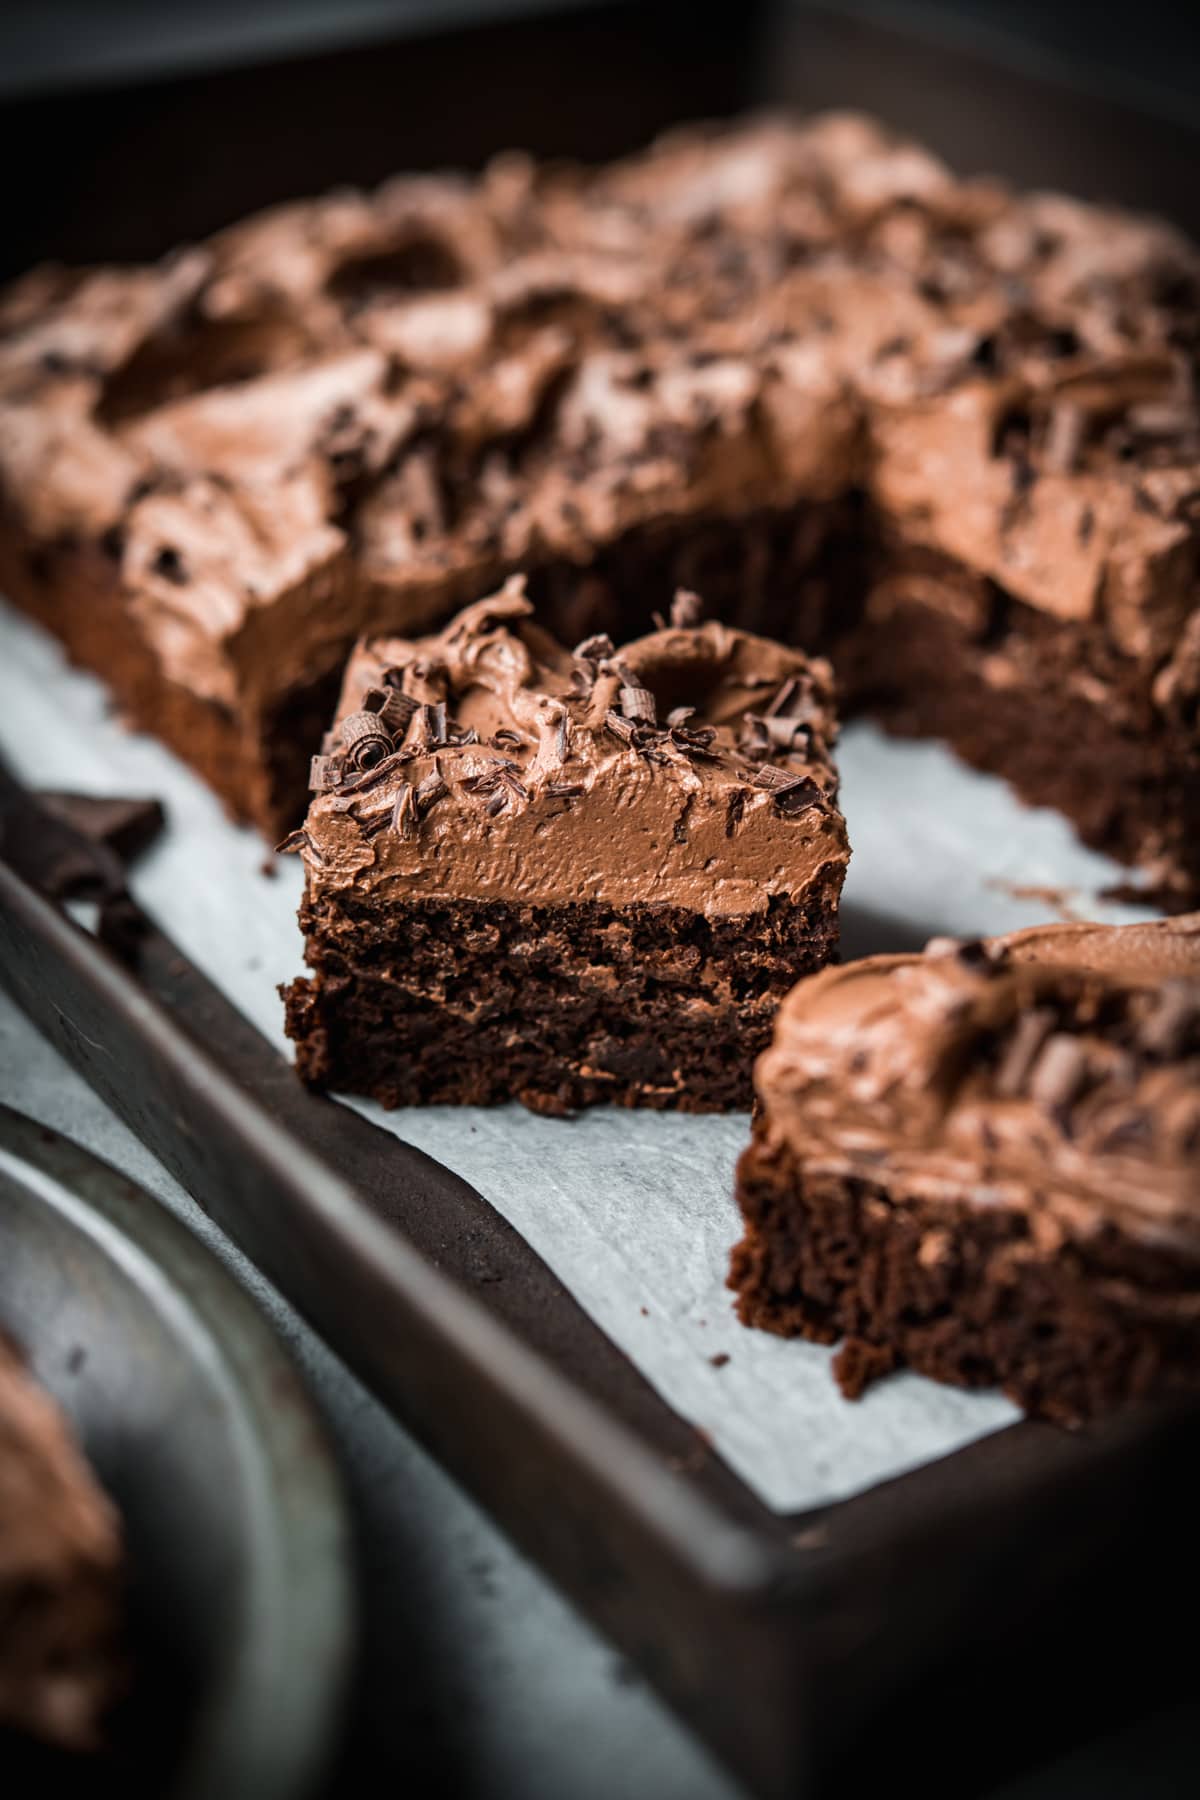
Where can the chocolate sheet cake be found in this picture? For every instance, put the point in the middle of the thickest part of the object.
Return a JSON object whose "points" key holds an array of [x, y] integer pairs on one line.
{"points": [[565, 878], [984, 1163], [942, 432], [60, 1574]]}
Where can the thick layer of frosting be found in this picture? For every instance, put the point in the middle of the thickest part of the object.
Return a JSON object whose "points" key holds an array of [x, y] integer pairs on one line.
{"points": [[688, 769], [1056, 1070], [350, 414]]}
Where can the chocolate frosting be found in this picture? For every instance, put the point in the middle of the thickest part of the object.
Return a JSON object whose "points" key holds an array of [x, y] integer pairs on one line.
{"points": [[60, 1561], [1056, 1071], [351, 414], [690, 768]]}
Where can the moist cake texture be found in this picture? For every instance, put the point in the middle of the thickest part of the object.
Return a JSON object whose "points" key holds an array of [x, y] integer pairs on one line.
{"points": [[984, 1163], [565, 877], [60, 1573], [945, 433]]}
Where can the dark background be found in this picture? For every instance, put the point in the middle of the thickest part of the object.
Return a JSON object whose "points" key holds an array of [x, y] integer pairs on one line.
{"points": [[130, 125]]}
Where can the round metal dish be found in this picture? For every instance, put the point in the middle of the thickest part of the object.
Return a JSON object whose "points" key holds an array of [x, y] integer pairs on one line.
{"points": [[200, 1429]]}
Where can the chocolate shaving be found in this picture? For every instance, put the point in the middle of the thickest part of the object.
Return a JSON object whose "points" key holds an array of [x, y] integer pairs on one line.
{"points": [[1058, 1074], [687, 610], [374, 700], [1161, 419], [504, 739], [429, 791], [783, 698], [397, 711], [696, 743], [783, 732], [404, 819], [679, 715], [785, 781], [799, 798], [513, 782], [564, 790], [1175, 1017], [734, 810], [620, 727], [433, 722], [595, 649], [1024, 1047], [324, 773], [366, 739], [1064, 437], [753, 741], [355, 785], [294, 841], [496, 804], [637, 703], [563, 743]]}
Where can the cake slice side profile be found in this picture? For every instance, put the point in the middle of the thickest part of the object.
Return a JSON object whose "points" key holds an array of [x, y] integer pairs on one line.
{"points": [[984, 1164], [565, 878]]}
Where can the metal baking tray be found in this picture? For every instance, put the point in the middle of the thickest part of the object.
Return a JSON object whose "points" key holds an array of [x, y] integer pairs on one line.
{"points": [[950, 1624], [233, 1512]]}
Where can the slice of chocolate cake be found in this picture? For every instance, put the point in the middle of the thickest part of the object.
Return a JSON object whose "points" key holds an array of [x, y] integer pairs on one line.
{"points": [[565, 878], [984, 1163], [60, 1573]]}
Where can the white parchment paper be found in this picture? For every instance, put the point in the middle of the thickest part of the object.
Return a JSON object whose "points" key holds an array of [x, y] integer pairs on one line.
{"points": [[634, 1212]]}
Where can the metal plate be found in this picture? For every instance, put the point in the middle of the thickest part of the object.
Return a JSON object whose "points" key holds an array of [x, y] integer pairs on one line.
{"points": [[202, 1432]]}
